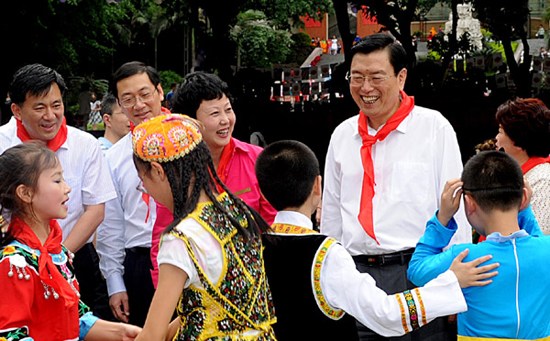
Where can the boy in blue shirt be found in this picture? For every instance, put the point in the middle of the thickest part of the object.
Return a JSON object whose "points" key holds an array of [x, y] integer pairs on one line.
{"points": [[515, 305]]}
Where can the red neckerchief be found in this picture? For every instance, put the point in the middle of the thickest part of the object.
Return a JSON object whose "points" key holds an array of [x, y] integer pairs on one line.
{"points": [[532, 162], [53, 144], [145, 196], [225, 158], [367, 193], [47, 271]]}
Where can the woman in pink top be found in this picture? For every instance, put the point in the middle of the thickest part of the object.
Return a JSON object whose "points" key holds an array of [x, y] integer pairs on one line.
{"points": [[205, 96]]}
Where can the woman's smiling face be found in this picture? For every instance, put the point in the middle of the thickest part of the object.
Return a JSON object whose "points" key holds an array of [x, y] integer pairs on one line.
{"points": [[218, 118]]}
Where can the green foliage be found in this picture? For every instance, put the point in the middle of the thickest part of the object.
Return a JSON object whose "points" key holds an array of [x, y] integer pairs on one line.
{"points": [[504, 18], [497, 47], [434, 56], [301, 48], [438, 45], [259, 43], [167, 77], [284, 13]]}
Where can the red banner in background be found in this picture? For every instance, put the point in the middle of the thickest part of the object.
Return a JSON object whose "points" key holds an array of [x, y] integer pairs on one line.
{"points": [[310, 22], [367, 19]]}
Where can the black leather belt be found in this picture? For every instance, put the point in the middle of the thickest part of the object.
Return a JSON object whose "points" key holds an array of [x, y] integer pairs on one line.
{"points": [[144, 251], [401, 258]]}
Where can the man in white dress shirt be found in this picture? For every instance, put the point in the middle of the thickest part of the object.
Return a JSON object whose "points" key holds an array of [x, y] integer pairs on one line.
{"points": [[38, 114], [384, 172], [124, 237]]}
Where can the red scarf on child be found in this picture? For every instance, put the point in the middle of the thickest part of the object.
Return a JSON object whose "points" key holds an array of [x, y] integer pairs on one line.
{"points": [[53, 144], [367, 193], [47, 271]]}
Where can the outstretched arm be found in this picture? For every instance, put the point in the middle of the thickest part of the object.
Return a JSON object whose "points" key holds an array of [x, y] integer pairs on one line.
{"points": [[112, 331], [170, 286]]}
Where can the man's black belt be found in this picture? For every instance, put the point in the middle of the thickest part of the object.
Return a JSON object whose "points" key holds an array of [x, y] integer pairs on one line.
{"points": [[400, 257], [144, 251]]}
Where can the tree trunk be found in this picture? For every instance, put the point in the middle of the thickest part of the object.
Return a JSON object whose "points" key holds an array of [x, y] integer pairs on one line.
{"points": [[452, 37], [511, 61], [342, 18], [156, 52]]}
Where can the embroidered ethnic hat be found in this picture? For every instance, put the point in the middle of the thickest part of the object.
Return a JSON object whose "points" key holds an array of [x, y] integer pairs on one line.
{"points": [[165, 138]]}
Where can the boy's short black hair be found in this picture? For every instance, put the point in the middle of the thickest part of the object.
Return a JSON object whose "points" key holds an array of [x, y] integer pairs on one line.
{"points": [[286, 171], [494, 180]]}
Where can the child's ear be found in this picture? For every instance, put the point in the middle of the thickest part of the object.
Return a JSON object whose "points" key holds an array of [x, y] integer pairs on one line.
{"points": [[470, 205], [317, 185], [24, 193], [157, 172], [525, 198]]}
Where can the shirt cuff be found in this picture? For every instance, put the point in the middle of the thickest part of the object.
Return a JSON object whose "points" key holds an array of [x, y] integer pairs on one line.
{"points": [[115, 284], [86, 323]]}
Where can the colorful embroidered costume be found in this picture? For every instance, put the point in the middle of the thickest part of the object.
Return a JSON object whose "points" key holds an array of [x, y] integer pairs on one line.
{"points": [[32, 309], [227, 295], [513, 306], [314, 281]]}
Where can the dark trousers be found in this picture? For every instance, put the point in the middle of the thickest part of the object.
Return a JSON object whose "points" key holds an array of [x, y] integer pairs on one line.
{"points": [[393, 279], [93, 288], [139, 284]]}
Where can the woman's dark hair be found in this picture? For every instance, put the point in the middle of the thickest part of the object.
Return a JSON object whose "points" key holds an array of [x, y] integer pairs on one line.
{"points": [[194, 172], [527, 122], [195, 88], [21, 165], [381, 41]]}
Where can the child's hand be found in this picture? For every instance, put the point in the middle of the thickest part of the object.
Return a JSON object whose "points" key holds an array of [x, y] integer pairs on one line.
{"points": [[450, 201]]}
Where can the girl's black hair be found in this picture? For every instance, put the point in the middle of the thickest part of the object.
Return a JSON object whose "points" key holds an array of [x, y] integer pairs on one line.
{"points": [[21, 165], [195, 172]]}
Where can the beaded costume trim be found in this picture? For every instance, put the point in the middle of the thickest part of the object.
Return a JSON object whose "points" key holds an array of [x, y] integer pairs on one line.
{"points": [[410, 303], [291, 229], [241, 300], [320, 256], [15, 334], [24, 260], [422, 307]]}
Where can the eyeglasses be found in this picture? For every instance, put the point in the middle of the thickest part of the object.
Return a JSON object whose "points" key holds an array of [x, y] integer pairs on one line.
{"points": [[140, 187], [131, 100], [359, 80]]}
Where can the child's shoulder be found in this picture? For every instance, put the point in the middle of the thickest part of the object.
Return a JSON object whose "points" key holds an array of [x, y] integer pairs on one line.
{"points": [[18, 257]]}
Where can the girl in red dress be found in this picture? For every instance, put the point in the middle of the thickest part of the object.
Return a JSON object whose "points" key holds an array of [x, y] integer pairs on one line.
{"points": [[40, 298]]}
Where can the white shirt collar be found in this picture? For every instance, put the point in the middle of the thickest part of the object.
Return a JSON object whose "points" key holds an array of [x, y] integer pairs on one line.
{"points": [[293, 218]]}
